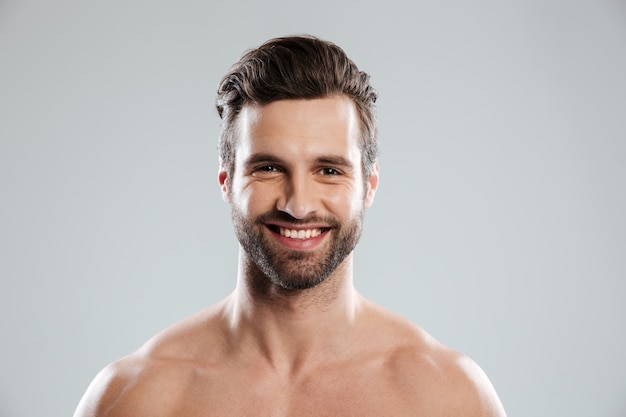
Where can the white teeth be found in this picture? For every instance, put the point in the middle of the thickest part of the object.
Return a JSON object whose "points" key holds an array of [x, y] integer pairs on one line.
{"points": [[299, 234]]}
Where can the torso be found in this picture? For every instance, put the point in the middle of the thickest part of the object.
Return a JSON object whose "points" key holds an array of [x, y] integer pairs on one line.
{"points": [[396, 370], [367, 390]]}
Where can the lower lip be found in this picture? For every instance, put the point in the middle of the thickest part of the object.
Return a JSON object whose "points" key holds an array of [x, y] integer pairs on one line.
{"points": [[300, 244]]}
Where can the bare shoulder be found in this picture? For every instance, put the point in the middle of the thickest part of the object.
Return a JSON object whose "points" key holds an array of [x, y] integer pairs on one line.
{"points": [[434, 377], [129, 387], [157, 379]]}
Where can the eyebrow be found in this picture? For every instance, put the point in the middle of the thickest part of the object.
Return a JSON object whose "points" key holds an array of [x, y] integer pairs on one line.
{"points": [[258, 158], [338, 161]]}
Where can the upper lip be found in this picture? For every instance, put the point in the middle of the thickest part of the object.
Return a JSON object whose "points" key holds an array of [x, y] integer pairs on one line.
{"points": [[292, 226]]}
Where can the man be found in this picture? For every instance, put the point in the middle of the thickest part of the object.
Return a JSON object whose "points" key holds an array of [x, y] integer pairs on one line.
{"points": [[298, 166]]}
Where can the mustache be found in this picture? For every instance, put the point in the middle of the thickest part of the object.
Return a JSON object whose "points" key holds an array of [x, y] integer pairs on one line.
{"points": [[280, 216]]}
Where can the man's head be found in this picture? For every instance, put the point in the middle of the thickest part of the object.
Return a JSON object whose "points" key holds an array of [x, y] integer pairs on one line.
{"points": [[296, 67], [298, 157]]}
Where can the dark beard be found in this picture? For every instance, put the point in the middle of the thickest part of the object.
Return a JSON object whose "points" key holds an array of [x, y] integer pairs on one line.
{"points": [[290, 269]]}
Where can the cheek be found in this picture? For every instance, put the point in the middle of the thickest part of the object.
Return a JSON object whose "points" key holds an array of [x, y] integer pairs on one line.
{"points": [[252, 199], [346, 201]]}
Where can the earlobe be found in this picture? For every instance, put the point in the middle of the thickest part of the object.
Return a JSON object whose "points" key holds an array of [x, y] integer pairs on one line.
{"points": [[372, 185], [223, 180]]}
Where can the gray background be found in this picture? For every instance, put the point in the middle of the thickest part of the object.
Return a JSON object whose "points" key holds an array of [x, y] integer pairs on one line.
{"points": [[499, 225]]}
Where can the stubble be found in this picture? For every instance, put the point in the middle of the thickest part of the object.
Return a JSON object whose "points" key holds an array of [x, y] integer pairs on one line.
{"points": [[292, 269]]}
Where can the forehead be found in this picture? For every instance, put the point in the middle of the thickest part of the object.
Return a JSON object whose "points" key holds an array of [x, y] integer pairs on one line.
{"points": [[300, 127]]}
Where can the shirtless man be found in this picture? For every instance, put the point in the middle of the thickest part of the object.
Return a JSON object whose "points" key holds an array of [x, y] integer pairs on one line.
{"points": [[298, 165]]}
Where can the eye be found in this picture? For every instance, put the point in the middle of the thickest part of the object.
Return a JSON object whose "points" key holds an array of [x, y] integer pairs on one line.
{"points": [[329, 171], [265, 170]]}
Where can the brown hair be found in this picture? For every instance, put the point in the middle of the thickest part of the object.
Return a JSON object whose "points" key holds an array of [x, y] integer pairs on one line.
{"points": [[295, 67]]}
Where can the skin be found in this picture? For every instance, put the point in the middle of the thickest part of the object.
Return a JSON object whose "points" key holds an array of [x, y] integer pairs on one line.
{"points": [[270, 351]]}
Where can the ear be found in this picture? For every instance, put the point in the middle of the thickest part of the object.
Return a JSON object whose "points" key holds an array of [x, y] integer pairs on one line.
{"points": [[372, 185], [224, 181]]}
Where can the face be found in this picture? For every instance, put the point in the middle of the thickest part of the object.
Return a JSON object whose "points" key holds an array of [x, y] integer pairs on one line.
{"points": [[297, 189]]}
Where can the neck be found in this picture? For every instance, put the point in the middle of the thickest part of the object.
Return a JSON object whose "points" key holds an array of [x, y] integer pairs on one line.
{"points": [[293, 327]]}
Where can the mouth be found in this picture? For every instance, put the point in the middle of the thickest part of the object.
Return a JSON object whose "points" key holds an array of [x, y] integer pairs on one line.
{"points": [[299, 234]]}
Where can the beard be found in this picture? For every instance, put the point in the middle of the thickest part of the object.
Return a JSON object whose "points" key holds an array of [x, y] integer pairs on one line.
{"points": [[292, 269]]}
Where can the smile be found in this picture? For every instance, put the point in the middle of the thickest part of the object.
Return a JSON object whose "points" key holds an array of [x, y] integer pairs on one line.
{"points": [[300, 234]]}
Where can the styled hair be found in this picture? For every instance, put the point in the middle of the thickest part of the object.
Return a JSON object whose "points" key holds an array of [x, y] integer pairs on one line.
{"points": [[295, 67]]}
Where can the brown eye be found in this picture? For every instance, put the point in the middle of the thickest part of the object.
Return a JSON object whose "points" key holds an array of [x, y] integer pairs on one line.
{"points": [[266, 170], [329, 171]]}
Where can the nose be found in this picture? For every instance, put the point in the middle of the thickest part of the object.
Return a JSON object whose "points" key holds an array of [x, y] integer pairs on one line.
{"points": [[299, 198]]}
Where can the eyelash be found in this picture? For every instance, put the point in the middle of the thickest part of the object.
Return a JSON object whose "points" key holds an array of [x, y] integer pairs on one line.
{"points": [[268, 168], [326, 169]]}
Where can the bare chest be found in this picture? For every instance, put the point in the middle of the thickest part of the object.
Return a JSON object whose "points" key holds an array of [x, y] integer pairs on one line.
{"points": [[330, 394]]}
